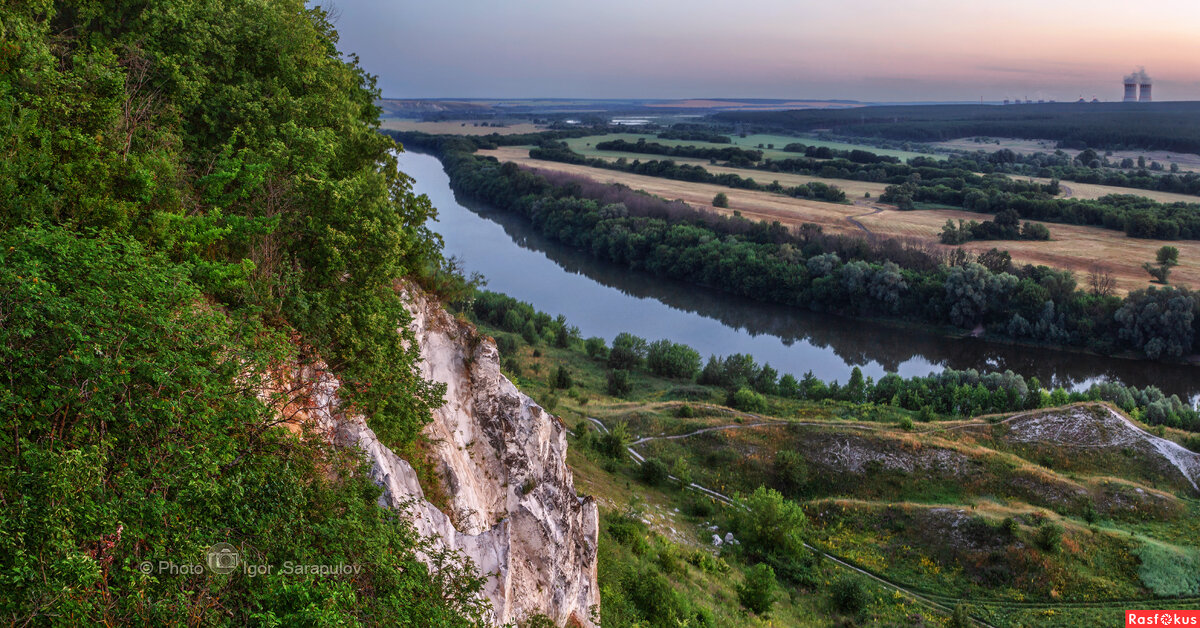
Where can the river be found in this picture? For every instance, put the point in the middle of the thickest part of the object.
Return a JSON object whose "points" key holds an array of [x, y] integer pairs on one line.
{"points": [[603, 300]]}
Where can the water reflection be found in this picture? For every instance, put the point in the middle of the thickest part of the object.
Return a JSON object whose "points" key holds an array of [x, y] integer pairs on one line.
{"points": [[604, 299]]}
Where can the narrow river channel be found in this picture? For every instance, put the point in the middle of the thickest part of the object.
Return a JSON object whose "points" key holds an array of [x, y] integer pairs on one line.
{"points": [[604, 300]]}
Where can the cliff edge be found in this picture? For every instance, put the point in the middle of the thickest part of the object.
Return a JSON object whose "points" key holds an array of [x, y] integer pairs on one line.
{"points": [[502, 459]]}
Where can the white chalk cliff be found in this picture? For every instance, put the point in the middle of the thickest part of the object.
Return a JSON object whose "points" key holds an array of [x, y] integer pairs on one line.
{"points": [[502, 459]]}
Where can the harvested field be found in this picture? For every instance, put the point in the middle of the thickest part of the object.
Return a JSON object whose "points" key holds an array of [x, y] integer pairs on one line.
{"points": [[1076, 248], [752, 204], [853, 189], [1092, 191]]}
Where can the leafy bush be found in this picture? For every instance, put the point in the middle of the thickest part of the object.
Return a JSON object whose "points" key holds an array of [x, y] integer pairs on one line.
{"points": [[561, 379], [757, 593], [596, 348], [674, 360], [791, 472], [747, 400], [653, 472], [618, 383], [850, 595], [506, 344], [1049, 536]]}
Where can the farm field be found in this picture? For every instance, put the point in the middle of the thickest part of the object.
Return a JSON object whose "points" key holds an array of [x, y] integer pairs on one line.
{"points": [[1073, 247], [752, 141], [854, 189], [1187, 161], [586, 145], [1094, 191], [457, 127]]}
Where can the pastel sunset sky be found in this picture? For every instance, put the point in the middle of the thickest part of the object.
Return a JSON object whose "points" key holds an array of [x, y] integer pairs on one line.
{"points": [[873, 50]]}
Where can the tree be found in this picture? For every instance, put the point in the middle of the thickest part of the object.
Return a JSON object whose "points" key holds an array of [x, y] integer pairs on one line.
{"points": [[562, 378], [618, 383], [1167, 257], [628, 352], [757, 593], [771, 523], [720, 200], [670, 359]]}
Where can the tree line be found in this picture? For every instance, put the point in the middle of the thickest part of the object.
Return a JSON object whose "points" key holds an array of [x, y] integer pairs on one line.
{"points": [[805, 268], [950, 393], [953, 183]]}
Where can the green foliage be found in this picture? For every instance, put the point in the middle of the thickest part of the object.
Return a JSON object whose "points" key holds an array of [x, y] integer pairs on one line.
{"points": [[596, 348], [135, 433], [850, 595], [771, 523], [1167, 570], [671, 359], [190, 191], [747, 400], [653, 472], [561, 378], [720, 200], [791, 472], [618, 383], [757, 593], [1049, 536], [628, 352]]}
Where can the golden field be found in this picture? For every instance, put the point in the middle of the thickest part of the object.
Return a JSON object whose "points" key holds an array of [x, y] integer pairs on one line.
{"points": [[1076, 248]]}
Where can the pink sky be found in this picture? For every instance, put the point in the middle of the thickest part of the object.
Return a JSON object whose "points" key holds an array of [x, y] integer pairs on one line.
{"points": [[859, 49]]}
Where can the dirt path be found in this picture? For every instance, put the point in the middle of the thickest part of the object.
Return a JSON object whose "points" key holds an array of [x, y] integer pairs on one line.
{"points": [[875, 209], [938, 602], [728, 501]]}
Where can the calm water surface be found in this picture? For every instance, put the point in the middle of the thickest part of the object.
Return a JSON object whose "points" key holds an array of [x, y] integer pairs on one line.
{"points": [[603, 300]]}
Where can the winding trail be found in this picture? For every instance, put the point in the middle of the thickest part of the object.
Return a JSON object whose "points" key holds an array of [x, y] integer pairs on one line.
{"points": [[728, 501], [873, 206], [941, 603]]}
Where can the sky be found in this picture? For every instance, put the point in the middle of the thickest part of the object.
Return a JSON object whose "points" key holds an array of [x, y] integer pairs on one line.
{"points": [[870, 50]]}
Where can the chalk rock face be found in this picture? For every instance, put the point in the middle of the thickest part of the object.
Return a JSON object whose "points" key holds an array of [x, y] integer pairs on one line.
{"points": [[502, 459]]}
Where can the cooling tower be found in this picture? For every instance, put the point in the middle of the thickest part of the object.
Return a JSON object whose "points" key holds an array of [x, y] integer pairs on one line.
{"points": [[1145, 93], [1130, 92]]}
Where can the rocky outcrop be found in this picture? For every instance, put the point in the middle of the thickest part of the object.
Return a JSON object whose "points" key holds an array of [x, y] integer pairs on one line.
{"points": [[502, 458]]}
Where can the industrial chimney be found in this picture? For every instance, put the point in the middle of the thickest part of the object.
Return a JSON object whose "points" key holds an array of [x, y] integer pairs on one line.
{"points": [[1130, 91], [1139, 79]]}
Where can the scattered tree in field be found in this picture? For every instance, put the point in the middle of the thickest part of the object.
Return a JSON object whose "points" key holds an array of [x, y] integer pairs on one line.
{"points": [[1101, 281], [1167, 257], [720, 200]]}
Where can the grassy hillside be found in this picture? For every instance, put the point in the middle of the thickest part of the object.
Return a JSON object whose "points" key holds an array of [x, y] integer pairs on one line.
{"points": [[1061, 516]]}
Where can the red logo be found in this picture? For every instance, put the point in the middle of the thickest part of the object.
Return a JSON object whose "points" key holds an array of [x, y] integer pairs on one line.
{"points": [[1162, 618]]}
